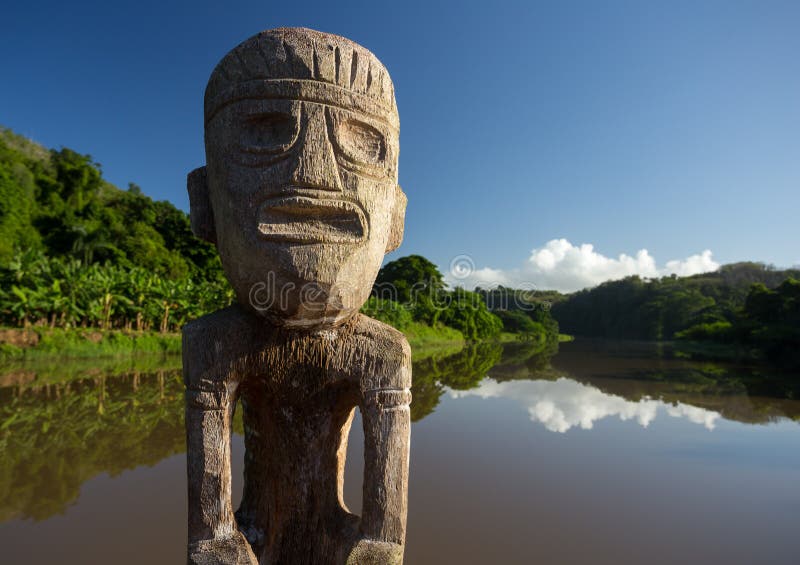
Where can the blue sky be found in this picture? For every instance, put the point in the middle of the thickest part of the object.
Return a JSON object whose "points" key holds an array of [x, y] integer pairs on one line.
{"points": [[672, 127]]}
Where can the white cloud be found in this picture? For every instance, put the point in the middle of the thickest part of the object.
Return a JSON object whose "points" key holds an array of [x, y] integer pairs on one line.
{"points": [[560, 265], [564, 404]]}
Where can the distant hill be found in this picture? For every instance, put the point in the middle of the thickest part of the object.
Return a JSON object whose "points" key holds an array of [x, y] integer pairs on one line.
{"points": [[743, 274], [57, 201], [634, 308]]}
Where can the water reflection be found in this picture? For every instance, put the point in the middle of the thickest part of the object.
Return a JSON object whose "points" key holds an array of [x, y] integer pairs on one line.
{"points": [[55, 436], [563, 404], [62, 424], [462, 370]]}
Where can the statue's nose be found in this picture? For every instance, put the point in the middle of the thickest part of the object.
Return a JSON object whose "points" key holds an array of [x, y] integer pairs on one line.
{"points": [[315, 164]]}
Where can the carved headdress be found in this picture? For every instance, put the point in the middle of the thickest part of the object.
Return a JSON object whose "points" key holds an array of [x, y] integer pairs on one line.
{"points": [[303, 64]]}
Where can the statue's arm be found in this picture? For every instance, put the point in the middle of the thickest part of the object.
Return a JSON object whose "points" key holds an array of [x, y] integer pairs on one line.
{"points": [[386, 397], [214, 537]]}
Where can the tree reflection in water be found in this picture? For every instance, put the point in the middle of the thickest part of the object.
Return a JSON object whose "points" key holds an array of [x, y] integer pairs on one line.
{"points": [[56, 436], [65, 423]]}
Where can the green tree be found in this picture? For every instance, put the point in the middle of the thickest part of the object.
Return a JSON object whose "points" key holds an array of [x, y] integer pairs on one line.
{"points": [[408, 278]]}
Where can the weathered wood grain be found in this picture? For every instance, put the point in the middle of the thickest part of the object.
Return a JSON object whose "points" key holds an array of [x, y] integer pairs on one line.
{"points": [[300, 197], [298, 393]]}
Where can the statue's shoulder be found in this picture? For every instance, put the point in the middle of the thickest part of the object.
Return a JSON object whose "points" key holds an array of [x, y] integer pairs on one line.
{"points": [[214, 343], [223, 325], [381, 335], [384, 350]]}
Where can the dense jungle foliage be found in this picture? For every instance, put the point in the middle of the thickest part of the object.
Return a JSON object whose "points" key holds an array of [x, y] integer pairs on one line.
{"points": [[57, 202], [768, 323], [411, 289], [75, 251], [750, 306]]}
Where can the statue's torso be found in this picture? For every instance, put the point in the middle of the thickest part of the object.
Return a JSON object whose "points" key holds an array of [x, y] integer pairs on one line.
{"points": [[298, 393]]}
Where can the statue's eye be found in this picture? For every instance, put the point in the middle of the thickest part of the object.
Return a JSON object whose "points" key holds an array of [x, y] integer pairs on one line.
{"points": [[273, 131], [361, 142]]}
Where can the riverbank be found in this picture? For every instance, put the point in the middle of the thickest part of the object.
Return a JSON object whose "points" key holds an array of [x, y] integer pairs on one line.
{"points": [[46, 346], [42, 343]]}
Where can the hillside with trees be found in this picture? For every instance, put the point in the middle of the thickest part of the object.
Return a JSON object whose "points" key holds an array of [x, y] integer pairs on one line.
{"points": [[77, 252], [749, 306], [411, 290], [58, 203]]}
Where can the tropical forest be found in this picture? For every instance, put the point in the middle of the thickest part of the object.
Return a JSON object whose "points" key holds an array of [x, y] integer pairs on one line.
{"points": [[89, 268]]}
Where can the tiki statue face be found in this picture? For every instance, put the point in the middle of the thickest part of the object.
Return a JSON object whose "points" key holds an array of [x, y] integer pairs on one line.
{"points": [[300, 191]]}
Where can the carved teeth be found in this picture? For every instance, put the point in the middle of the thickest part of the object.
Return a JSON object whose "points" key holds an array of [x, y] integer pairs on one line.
{"points": [[300, 219]]}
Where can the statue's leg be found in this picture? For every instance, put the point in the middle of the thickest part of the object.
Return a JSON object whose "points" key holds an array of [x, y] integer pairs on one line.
{"points": [[214, 537]]}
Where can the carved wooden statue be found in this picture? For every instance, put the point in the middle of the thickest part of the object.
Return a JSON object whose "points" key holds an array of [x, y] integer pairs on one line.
{"points": [[300, 196]]}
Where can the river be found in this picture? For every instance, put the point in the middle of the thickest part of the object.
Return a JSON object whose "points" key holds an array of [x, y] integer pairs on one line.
{"points": [[605, 452]]}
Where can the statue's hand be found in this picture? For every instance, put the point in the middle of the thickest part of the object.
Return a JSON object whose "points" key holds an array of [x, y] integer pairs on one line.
{"points": [[371, 552], [227, 551]]}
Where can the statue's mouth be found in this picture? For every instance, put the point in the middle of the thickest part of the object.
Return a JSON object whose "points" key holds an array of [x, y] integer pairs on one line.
{"points": [[301, 219]]}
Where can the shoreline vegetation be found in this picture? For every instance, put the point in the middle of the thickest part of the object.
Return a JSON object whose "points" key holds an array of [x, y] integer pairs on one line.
{"points": [[89, 270], [744, 311], [41, 343], [45, 345], [78, 343]]}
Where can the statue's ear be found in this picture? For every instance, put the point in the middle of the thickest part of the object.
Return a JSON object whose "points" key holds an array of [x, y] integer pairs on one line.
{"points": [[201, 215], [398, 220]]}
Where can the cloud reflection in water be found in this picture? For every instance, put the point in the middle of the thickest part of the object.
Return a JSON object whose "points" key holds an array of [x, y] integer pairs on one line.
{"points": [[564, 403]]}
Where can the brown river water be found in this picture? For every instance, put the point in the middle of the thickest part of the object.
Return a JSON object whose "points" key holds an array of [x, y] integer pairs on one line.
{"points": [[605, 452]]}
